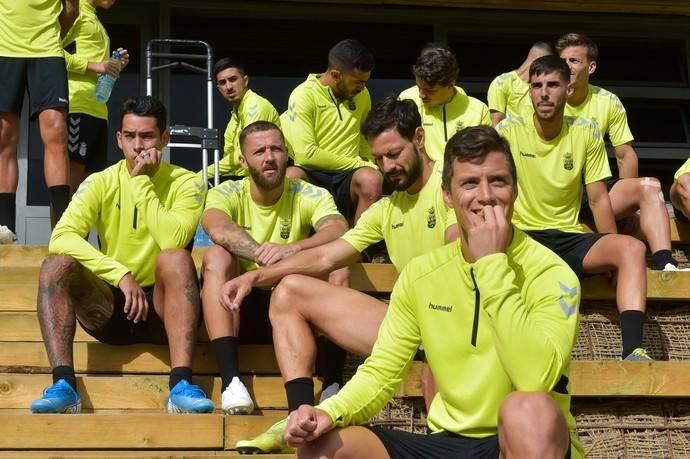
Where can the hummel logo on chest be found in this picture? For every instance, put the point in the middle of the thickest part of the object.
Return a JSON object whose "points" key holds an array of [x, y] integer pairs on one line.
{"points": [[440, 307], [397, 225], [529, 155]]}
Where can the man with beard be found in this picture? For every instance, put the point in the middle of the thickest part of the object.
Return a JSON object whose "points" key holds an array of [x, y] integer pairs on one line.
{"points": [[322, 125], [254, 222], [412, 221], [445, 108], [232, 82], [554, 154]]}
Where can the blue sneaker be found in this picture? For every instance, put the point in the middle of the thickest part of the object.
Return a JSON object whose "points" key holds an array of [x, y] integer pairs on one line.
{"points": [[58, 398], [188, 398]]}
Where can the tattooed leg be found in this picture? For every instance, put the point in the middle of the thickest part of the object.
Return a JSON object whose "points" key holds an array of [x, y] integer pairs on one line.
{"points": [[66, 290], [176, 301]]}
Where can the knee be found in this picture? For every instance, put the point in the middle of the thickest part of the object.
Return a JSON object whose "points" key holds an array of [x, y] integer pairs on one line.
{"points": [[216, 260], [650, 190], [368, 183], [285, 295], [57, 268], [521, 412], [175, 264], [633, 250]]}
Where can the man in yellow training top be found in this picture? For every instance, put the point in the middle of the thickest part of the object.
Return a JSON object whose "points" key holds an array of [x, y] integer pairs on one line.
{"points": [[321, 127], [444, 107], [87, 53], [508, 93], [629, 193], [142, 286], [412, 221], [498, 341], [555, 155], [232, 82], [31, 59], [254, 222]]}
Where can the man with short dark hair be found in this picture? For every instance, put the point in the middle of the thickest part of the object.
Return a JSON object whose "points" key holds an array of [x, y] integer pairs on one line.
{"points": [[444, 107], [508, 93], [412, 221], [629, 193], [31, 59], [498, 342], [232, 82], [554, 155], [142, 287], [322, 125], [257, 221]]}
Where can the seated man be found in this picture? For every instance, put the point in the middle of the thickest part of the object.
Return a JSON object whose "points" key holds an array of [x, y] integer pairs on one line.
{"points": [[554, 154], [143, 287], [322, 125], [680, 191], [498, 342], [508, 93], [232, 82], [445, 108], [255, 222], [412, 221], [629, 193]]}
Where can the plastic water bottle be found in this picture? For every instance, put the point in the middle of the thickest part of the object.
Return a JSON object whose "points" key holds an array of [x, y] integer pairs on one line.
{"points": [[105, 83]]}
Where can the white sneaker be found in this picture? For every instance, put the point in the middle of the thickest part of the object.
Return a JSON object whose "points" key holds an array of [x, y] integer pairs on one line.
{"points": [[6, 235], [236, 398], [670, 267], [330, 391]]}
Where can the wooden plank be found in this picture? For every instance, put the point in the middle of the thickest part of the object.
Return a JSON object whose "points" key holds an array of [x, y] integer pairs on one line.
{"points": [[661, 285], [17, 391], [103, 431], [24, 326], [22, 255], [23, 281], [243, 427], [608, 378], [18, 297], [131, 454], [23, 357], [680, 231]]}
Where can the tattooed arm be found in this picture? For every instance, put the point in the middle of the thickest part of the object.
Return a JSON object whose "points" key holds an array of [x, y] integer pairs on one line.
{"points": [[228, 234]]}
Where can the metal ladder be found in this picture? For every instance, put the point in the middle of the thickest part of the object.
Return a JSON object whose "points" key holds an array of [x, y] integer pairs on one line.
{"points": [[207, 137]]}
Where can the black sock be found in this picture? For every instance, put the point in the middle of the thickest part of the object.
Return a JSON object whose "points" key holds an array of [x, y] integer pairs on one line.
{"points": [[225, 350], [177, 374], [8, 210], [66, 373], [661, 258], [333, 362], [632, 325], [300, 391], [59, 199]]}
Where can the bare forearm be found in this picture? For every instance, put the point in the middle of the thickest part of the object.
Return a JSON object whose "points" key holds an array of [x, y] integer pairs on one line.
{"points": [[603, 216], [236, 241]]}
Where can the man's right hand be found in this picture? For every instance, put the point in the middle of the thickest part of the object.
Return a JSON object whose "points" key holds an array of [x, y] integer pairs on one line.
{"points": [[136, 306], [236, 290], [306, 424]]}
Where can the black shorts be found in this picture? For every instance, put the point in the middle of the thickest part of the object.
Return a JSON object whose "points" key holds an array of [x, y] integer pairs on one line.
{"points": [[45, 79], [444, 445], [338, 184], [119, 330], [87, 141], [255, 327], [585, 211], [571, 247]]}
